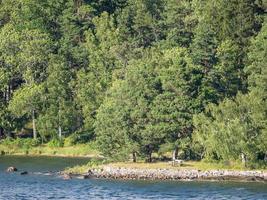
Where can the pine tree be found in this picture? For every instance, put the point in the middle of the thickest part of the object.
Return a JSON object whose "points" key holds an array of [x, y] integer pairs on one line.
{"points": [[95, 79], [257, 67], [58, 117], [178, 22]]}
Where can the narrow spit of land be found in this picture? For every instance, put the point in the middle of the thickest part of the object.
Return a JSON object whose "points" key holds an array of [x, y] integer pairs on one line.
{"points": [[164, 171]]}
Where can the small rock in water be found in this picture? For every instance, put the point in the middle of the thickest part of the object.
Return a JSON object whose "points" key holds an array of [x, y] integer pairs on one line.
{"points": [[66, 177], [48, 173], [12, 169], [87, 176], [24, 173], [265, 176]]}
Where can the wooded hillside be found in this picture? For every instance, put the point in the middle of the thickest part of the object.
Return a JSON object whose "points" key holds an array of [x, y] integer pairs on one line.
{"points": [[137, 76]]}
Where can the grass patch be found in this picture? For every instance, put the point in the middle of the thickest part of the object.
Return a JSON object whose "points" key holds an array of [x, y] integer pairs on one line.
{"points": [[94, 163], [79, 169], [198, 165], [193, 165], [79, 150]]}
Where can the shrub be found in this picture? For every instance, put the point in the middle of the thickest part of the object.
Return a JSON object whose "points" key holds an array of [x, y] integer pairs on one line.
{"points": [[24, 143], [71, 140], [55, 142]]}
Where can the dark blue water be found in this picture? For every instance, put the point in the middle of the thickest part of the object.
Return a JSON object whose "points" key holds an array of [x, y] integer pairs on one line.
{"points": [[15, 186]]}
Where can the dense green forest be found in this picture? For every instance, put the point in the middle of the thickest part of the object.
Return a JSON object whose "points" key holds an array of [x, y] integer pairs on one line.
{"points": [[137, 76]]}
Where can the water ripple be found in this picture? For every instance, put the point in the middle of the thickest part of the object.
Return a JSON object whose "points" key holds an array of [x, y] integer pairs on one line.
{"points": [[39, 187]]}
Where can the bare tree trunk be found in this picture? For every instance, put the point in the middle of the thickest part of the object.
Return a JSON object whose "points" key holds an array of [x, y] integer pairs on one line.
{"points": [[134, 157], [59, 121], [175, 153], [7, 93], [265, 157], [34, 125], [59, 132]]}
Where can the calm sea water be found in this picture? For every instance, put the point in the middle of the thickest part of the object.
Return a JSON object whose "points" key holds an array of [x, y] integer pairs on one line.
{"points": [[32, 186]]}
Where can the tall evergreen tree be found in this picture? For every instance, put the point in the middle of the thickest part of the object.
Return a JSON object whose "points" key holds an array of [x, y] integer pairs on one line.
{"points": [[220, 45], [257, 67], [155, 99], [94, 80], [58, 116], [178, 22]]}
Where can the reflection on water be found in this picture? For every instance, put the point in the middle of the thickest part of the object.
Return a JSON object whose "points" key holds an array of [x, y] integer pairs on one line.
{"points": [[39, 164], [15, 186]]}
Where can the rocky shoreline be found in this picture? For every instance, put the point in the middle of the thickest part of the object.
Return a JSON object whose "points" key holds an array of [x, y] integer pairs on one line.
{"points": [[171, 174], [108, 172]]}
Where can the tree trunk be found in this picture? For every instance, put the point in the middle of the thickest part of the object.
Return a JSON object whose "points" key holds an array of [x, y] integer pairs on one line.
{"points": [[265, 157], [59, 121], [134, 157], [244, 159], [7, 96], [149, 157], [34, 125], [1, 132], [59, 132], [10, 134], [175, 153]]}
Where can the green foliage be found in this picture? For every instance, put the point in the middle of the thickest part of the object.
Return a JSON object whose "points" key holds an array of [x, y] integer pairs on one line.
{"points": [[232, 128], [25, 100], [220, 45], [94, 80], [178, 22], [139, 24], [139, 76], [257, 68], [236, 127], [77, 138], [20, 143], [150, 106], [55, 142], [70, 141], [58, 116]]}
